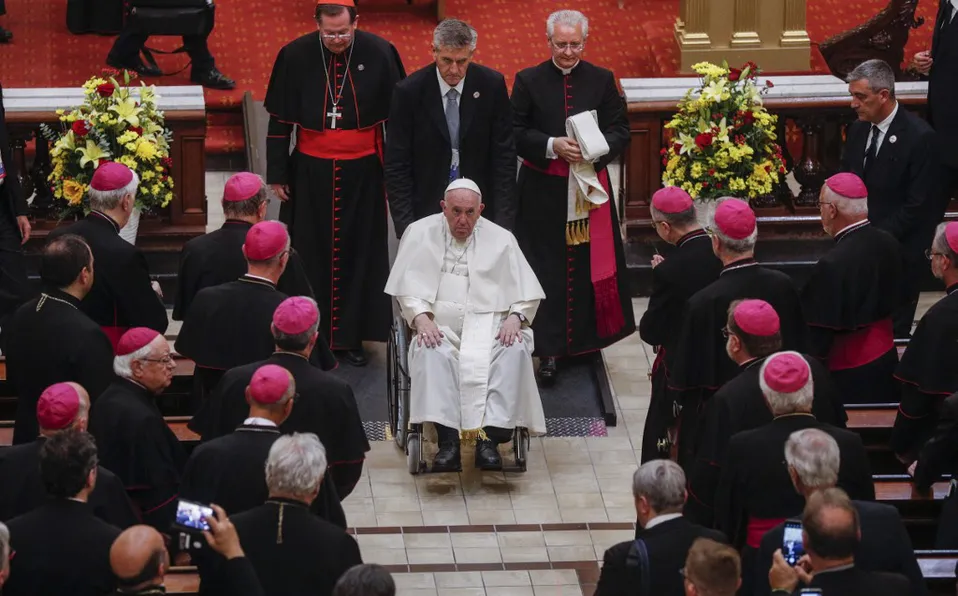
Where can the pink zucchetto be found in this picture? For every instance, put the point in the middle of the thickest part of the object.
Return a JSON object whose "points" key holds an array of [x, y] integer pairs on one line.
{"points": [[58, 406], [786, 372], [847, 185], [241, 187], [756, 317], [265, 240], [269, 384], [671, 199], [111, 176], [735, 219], [951, 235], [295, 315], [135, 339]]}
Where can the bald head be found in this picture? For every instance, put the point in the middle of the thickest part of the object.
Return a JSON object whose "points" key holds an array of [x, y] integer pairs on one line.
{"points": [[830, 523], [138, 557]]}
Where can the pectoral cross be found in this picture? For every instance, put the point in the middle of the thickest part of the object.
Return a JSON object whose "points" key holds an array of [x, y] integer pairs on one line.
{"points": [[333, 116]]}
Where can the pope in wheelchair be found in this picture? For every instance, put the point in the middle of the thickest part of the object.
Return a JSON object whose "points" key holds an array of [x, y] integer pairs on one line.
{"points": [[469, 295]]}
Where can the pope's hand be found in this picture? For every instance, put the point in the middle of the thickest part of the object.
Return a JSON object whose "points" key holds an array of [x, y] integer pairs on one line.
{"points": [[428, 331], [922, 62], [567, 149], [282, 191], [510, 331]]}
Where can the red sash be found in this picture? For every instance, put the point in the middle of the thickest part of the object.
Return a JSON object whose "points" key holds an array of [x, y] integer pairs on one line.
{"points": [[858, 348], [757, 528], [608, 306], [340, 144]]}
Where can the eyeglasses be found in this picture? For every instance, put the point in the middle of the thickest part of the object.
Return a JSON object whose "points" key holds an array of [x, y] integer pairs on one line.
{"points": [[820, 203], [930, 254], [654, 224], [336, 36], [575, 47], [708, 231], [726, 332], [166, 360]]}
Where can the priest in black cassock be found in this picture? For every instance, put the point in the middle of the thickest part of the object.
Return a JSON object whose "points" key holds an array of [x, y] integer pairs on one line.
{"points": [[700, 365], [755, 492], [852, 294], [217, 257], [754, 334], [229, 470], [50, 339], [14, 225], [133, 438], [927, 371], [333, 87], [292, 550], [450, 120], [122, 295], [690, 266], [228, 324], [576, 252], [62, 406], [325, 405]]}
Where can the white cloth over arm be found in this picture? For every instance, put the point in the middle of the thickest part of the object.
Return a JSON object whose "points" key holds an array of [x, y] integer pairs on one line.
{"points": [[583, 180]]}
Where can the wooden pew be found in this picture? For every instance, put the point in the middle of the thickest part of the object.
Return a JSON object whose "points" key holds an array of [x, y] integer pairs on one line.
{"points": [[176, 423]]}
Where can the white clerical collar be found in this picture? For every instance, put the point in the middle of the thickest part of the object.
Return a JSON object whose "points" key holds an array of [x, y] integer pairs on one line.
{"points": [[852, 227], [444, 87], [261, 278], [566, 71], [661, 519], [257, 421], [885, 124]]}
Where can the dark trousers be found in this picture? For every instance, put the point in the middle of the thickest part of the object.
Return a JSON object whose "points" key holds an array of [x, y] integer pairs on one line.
{"points": [[126, 49], [14, 286]]}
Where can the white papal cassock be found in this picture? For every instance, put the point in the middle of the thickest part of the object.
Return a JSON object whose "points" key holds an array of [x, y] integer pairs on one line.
{"points": [[470, 380]]}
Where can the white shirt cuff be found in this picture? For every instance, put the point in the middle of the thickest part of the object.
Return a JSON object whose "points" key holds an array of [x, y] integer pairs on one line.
{"points": [[550, 150]]}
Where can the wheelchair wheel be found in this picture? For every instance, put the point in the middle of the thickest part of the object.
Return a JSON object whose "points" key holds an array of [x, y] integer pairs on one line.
{"points": [[520, 446], [397, 381], [414, 453]]}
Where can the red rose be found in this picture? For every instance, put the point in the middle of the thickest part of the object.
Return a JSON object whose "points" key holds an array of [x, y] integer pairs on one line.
{"points": [[768, 168], [665, 161], [705, 185], [106, 89], [703, 140], [81, 128], [663, 151], [781, 169], [718, 185], [769, 84], [734, 74], [138, 130], [677, 147], [748, 118], [711, 171]]}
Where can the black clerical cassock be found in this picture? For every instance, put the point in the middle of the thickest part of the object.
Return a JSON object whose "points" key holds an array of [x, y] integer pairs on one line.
{"points": [[217, 258], [134, 441], [23, 489], [688, 268], [325, 407], [51, 341], [338, 105], [738, 406], [849, 300], [928, 374], [229, 325], [588, 304]]}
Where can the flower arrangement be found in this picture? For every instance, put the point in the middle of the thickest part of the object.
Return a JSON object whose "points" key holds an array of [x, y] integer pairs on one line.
{"points": [[723, 139], [115, 123]]}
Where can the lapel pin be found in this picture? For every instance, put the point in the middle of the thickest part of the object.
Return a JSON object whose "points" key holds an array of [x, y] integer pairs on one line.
{"points": [[892, 139], [361, 67], [476, 95]]}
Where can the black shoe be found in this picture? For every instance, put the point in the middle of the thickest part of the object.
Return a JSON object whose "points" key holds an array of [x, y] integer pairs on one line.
{"points": [[139, 67], [213, 79], [548, 371], [447, 458], [5, 36], [353, 357], [487, 456]]}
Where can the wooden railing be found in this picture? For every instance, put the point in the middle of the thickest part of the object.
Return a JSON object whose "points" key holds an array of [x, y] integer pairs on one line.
{"points": [[185, 114], [814, 107]]}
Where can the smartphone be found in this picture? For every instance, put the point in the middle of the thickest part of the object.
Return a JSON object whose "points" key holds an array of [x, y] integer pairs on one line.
{"points": [[191, 517], [792, 547]]}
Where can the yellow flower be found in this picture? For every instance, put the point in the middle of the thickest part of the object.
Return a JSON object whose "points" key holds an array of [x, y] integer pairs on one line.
{"points": [[91, 154], [127, 111], [148, 175], [157, 168], [128, 161], [73, 191]]}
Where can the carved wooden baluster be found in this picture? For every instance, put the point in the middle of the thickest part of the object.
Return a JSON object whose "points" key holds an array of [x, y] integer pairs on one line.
{"points": [[18, 143], [43, 201], [809, 171]]}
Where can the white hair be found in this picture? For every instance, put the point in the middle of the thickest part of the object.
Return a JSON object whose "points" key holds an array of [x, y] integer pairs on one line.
{"points": [[662, 483], [296, 465], [845, 206], [4, 547], [569, 18], [814, 456], [787, 403], [940, 244], [456, 34], [106, 200], [737, 246], [123, 365]]}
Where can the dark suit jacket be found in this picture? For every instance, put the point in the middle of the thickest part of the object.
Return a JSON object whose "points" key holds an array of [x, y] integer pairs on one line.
{"points": [[60, 548], [943, 84], [418, 150], [121, 294], [904, 196], [940, 453], [11, 195], [856, 582], [668, 544], [885, 546]]}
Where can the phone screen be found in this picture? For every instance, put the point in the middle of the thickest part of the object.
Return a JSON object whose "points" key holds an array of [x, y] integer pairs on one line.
{"points": [[192, 515], [792, 548]]}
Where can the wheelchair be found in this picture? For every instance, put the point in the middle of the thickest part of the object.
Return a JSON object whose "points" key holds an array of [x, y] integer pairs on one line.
{"points": [[409, 436]]}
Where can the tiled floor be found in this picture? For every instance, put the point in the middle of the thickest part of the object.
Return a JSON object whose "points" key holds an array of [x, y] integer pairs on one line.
{"points": [[496, 534]]}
